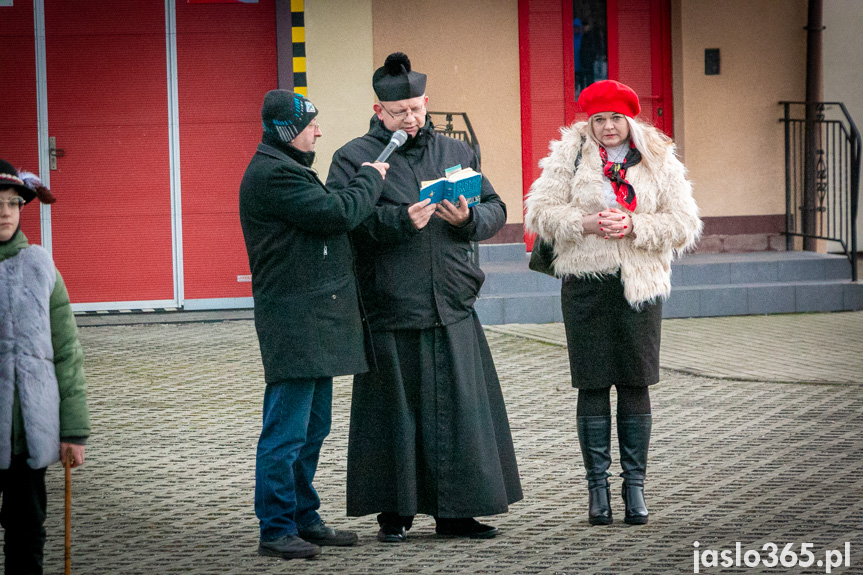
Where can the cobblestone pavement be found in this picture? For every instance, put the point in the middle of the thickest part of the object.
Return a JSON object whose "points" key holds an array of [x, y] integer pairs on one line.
{"points": [[800, 348], [746, 448]]}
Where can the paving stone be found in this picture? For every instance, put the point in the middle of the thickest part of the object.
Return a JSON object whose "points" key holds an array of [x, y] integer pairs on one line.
{"points": [[801, 348], [176, 410]]}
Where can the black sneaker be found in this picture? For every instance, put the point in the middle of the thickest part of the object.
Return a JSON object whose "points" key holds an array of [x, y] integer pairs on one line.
{"points": [[288, 547], [464, 527], [320, 534]]}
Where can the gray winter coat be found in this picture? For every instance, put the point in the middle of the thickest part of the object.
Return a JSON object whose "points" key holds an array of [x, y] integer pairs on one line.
{"points": [[27, 356]]}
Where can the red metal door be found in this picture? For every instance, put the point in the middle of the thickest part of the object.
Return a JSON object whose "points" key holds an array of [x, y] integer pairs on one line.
{"points": [[107, 109], [226, 62], [642, 33], [639, 55]]}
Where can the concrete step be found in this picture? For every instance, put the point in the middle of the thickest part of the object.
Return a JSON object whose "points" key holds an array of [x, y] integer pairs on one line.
{"points": [[702, 285], [497, 253], [515, 277], [519, 308], [763, 298], [758, 267]]}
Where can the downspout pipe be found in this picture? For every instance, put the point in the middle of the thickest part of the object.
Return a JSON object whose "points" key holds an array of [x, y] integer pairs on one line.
{"points": [[814, 95]]}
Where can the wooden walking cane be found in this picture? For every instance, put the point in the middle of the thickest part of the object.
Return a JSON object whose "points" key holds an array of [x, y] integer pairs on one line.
{"points": [[67, 555]]}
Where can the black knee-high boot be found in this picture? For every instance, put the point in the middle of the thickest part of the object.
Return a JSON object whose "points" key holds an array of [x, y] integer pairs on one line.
{"points": [[633, 435], [594, 435]]}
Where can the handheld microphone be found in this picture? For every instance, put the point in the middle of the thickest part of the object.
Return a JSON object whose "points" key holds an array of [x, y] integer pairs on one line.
{"points": [[399, 138]]}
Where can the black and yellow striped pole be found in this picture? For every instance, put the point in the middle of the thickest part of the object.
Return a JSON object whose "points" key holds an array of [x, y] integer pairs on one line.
{"points": [[298, 37]]}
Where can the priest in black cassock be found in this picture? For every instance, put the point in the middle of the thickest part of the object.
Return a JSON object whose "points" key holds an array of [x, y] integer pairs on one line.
{"points": [[429, 431]]}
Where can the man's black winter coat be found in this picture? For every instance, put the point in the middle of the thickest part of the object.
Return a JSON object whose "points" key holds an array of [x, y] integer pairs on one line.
{"points": [[296, 230]]}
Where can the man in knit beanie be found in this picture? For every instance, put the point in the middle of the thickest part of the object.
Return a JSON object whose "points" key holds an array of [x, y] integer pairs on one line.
{"points": [[307, 315], [285, 114]]}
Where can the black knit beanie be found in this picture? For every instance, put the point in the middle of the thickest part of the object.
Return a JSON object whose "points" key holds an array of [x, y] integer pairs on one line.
{"points": [[285, 114]]}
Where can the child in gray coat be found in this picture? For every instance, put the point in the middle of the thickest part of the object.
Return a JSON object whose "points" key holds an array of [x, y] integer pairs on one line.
{"points": [[43, 397]]}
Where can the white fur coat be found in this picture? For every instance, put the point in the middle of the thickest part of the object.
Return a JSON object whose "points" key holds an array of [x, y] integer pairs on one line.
{"points": [[665, 219]]}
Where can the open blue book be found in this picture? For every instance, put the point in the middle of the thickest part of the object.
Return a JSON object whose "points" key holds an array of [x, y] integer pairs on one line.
{"points": [[457, 182]]}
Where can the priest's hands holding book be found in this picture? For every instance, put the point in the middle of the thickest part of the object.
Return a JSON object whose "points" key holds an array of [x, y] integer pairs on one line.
{"points": [[421, 212], [457, 215]]}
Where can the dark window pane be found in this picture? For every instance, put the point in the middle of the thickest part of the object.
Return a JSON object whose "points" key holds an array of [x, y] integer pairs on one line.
{"points": [[589, 42]]}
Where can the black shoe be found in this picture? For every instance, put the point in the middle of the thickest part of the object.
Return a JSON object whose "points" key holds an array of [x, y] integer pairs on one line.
{"points": [[394, 527], [464, 527], [288, 547], [389, 533], [320, 534], [594, 436], [633, 434]]}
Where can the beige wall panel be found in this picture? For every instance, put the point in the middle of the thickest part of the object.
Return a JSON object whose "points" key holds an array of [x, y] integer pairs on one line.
{"points": [[734, 142], [843, 65], [339, 68], [469, 50]]}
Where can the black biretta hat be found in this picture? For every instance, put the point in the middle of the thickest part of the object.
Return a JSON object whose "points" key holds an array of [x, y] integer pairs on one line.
{"points": [[28, 185], [396, 81]]}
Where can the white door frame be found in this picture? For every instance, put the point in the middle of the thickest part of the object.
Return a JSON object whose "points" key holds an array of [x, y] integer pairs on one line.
{"points": [[174, 154], [174, 149], [42, 119]]}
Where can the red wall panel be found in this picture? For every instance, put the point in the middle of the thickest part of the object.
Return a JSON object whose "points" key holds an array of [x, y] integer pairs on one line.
{"points": [[226, 61], [634, 54], [19, 136], [107, 107], [127, 18], [542, 65]]}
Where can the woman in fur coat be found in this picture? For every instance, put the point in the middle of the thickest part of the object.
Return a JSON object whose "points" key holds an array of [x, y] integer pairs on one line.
{"points": [[614, 199]]}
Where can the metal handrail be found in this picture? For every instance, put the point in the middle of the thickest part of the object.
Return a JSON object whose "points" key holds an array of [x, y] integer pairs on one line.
{"points": [[467, 134], [836, 178]]}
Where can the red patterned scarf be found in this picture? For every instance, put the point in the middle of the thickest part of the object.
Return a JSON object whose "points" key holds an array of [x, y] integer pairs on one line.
{"points": [[616, 172]]}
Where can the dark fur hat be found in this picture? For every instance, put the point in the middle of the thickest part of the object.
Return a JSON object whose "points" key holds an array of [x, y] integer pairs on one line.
{"points": [[396, 81], [28, 185]]}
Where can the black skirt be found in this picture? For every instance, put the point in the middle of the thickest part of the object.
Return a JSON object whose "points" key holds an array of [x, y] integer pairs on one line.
{"points": [[429, 431], [609, 342]]}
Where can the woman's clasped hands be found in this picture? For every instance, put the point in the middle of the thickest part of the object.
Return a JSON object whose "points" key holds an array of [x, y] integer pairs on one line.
{"points": [[611, 224]]}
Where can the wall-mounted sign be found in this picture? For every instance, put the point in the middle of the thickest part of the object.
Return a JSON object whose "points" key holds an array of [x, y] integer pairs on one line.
{"points": [[204, 2], [5, 3]]}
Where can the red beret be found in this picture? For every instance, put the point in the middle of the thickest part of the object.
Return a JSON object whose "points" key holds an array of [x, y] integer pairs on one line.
{"points": [[609, 96]]}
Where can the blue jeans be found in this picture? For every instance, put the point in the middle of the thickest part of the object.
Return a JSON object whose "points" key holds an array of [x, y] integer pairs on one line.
{"points": [[297, 415]]}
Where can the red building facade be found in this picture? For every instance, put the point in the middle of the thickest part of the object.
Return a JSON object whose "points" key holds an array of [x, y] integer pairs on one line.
{"points": [[154, 111]]}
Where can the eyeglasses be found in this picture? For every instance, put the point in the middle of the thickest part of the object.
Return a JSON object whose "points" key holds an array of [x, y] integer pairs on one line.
{"points": [[312, 126], [13, 203], [416, 112]]}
